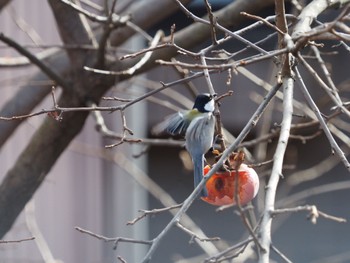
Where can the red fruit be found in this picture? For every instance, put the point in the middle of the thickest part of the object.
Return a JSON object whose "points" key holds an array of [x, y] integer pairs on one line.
{"points": [[221, 186]]}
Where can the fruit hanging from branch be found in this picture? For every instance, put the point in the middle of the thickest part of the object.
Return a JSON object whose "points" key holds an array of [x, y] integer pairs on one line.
{"points": [[222, 185]]}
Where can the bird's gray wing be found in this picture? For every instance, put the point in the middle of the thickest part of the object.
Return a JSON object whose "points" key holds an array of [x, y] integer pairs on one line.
{"points": [[200, 134], [175, 124], [199, 139]]}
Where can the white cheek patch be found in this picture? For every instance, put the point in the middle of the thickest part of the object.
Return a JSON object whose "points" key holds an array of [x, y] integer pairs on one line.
{"points": [[210, 106]]}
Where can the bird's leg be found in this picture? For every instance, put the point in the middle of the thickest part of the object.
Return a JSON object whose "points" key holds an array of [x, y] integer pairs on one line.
{"points": [[217, 140], [236, 159], [215, 152], [226, 165]]}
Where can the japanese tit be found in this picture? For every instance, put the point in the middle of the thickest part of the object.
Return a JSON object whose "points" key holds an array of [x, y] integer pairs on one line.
{"points": [[198, 126], [177, 124]]}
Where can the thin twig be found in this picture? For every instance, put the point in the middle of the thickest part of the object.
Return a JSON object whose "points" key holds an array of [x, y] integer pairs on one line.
{"points": [[107, 30], [194, 235], [314, 213], [146, 57], [323, 124], [16, 240], [116, 99], [228, 250], [121, 259], [34, 229], [212, 91], [116, 240], [126, 131], [106, 132], [109, 109], [326, 72], [91, 16], [278, 252], [212, 20], [156, 46], [222, 67], [114, 20], [218, 26], [266, 22], [152, 212], [145, 50], [332, 92], [207, 76]]}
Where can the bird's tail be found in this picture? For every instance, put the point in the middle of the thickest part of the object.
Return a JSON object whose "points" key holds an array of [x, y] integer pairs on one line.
{"points": [[198, 163]]}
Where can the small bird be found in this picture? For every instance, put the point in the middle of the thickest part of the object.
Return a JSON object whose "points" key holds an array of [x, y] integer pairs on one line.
{"points": [[198, 127], [177, 124]]}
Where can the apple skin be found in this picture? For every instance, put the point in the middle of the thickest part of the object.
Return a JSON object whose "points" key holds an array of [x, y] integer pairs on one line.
{"points": [[221, 186]]}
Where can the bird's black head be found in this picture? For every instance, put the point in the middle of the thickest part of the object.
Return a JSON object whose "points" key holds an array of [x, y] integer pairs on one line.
{"points": [[204, 103]]}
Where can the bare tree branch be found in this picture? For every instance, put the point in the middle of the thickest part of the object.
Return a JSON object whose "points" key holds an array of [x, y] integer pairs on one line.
{"points": [[265, 227], [30, 95], [116, 240], [77, 34], [314, 213], [252, 122], [138, 9], [278, 252], [16, 241], [226, 17], [90, 71], [47, 70], [309, 14], [228, 250], [24, 61], [48, 142], [3, 3], [33, 227], [154, 189], [145, 14], [331, 91], [333, 143]]}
